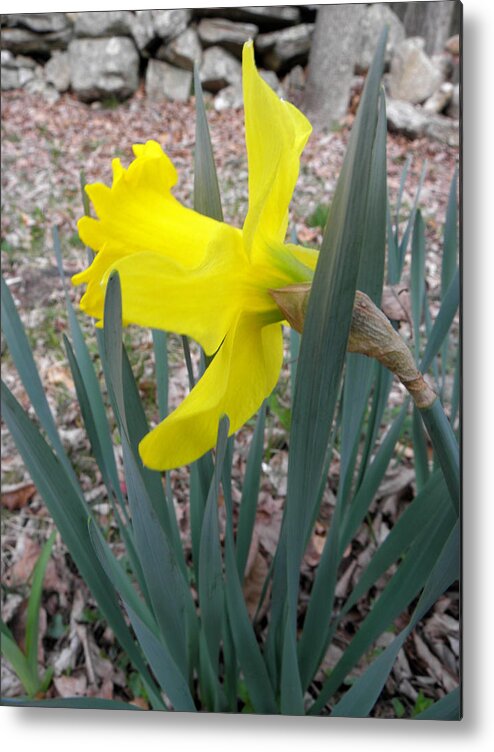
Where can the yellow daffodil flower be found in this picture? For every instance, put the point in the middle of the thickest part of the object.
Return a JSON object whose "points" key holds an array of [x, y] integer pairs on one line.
{"points": [[181, 271]]}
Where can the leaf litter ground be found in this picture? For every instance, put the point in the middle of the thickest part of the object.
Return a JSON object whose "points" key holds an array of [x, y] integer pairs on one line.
{"points": [[44, 149]]}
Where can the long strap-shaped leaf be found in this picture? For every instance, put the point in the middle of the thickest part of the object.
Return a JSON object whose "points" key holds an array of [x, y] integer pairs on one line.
{"points": [[70, 514], [324, 341], [168, 590], [402, 588], [364, 693]]}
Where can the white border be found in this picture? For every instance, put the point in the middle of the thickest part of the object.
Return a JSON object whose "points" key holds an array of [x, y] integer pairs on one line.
{"points": [[100, 730]]}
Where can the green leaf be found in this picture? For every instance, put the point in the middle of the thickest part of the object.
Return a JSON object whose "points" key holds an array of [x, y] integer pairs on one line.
{"points": [[405, 584], [443, 321], [448, 708], [211, 595], [18, 660], [250, 493], [32, 620], [70, 514], [24, 362], [325, 336], [418, 278], [364, 693], [164, 578], [446, 448], [160, 341], [101, 434], [81, 703], [206, 191]]}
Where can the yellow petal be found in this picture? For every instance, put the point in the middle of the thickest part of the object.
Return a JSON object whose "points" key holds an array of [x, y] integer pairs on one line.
{"points": [[242, 374], [275, 133], [159, 293], [138, 213]]}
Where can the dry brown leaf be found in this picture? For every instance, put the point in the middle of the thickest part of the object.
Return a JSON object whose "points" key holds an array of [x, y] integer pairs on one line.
{"points": [[21, 570], [71, 686], [17, 496], [256, 572], [396, 303]]}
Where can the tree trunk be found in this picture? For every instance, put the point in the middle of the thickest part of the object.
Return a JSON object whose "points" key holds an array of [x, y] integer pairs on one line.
{"points": [[332, 58], [431, 20]]}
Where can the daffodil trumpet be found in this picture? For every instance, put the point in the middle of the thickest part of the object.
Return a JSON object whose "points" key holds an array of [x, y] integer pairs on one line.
{"points": [[371, 334], [183, 272]]}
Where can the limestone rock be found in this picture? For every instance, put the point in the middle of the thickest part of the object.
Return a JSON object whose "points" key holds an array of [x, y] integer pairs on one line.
{"points": [[265, 16], [9, 78], [164, 82], [219, 69], [151, 26], [272, 80], [281, 49], [170, 23], [102, 68], [228, 34], [438, 102], [453, 110], [143, 29], [229, 98], [375, 17], [183, 51], [294, 84], [25, 40], [57, 71], [41, 23], [16, 71], [106, 23], [404, 118], [43, 89], [413, 76], [443, 129]]}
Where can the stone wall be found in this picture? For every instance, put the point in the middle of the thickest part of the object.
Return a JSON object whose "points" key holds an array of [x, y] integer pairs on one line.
{"points": [[107, 55]]}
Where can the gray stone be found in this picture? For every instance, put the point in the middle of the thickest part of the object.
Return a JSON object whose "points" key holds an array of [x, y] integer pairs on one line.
{"points": [[165, 82], [438, 102], [294, 83], [228, 34], [229, 98], [183, 51], [219, 69], [170, 23], [57, 71], [143, 29], [39, 87], [41, 23], [272, 81], [27, 42], [106, 23], [149, 26], [332, 61], [19, 61], [444, 64], [453, 110], [7, 58], [404, 118], [282, 49], [443, 129], [25, 75], [265, 16], [375, 17], [413, 76], [102, 68], [9, 78]]}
